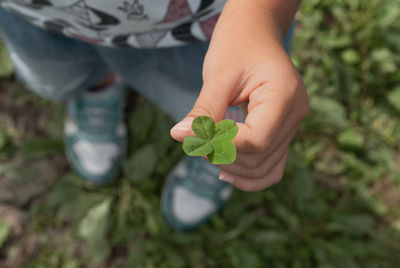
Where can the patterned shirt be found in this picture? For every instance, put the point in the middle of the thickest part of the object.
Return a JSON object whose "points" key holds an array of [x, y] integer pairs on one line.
{"points": [[123, 23]]}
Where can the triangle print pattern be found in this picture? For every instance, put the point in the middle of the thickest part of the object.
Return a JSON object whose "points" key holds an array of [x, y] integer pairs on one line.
{"points": [[208, 25], [177, 9], [80, 11], [150, 39]]}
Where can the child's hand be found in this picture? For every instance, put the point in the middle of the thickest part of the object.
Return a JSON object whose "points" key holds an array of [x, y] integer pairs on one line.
{"points": [[246, 62]]}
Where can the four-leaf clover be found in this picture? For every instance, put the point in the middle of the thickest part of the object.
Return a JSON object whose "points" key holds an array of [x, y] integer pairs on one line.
{"points": [[213, 140]]}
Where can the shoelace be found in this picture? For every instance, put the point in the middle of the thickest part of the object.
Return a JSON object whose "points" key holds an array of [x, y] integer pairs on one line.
{"points": [[97, 119], [202, 178]]}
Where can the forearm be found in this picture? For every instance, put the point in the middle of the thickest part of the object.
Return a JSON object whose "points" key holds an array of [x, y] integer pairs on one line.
{"points": [[281, 12], [263, 16]]}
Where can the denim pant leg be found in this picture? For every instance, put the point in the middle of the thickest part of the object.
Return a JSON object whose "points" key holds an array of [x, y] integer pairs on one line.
{"points": [[53, 66]]}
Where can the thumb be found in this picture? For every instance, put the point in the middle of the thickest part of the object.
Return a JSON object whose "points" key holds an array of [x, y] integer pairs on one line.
{"points": [[209, 103]]}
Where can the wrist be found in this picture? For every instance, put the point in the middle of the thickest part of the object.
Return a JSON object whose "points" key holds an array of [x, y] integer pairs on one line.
{"points": [[272, 17]]}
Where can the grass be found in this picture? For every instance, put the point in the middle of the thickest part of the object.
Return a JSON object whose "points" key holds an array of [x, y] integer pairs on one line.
{"points": [[338, 205]]}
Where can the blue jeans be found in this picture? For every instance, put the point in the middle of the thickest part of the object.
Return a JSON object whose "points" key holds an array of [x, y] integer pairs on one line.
{"points": [[59, 68]]}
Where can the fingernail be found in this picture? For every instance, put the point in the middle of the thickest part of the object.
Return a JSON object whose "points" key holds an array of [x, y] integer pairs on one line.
{"points": [[226, 178], [184, 125]]}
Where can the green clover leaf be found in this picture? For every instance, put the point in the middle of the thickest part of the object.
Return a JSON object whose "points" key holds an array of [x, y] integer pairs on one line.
{"points": [[213, 140]]}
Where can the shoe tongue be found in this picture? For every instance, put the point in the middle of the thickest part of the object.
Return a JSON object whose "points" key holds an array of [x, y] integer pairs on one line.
{"points": [[209, 173], [96, 120], [105, 93], [97, 111], [204, 177]]}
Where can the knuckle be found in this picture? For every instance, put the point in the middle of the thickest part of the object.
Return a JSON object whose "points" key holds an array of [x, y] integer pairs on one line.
{"points": [[259, 173], [294, 90], [269, 182], [252, 162], [277, 178], [260, 160], [246, 187], [290, 90], [260, 144]]}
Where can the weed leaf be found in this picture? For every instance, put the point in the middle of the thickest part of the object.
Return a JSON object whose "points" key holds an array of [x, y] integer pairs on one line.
{"points": [[5, 231], [94, 228]]}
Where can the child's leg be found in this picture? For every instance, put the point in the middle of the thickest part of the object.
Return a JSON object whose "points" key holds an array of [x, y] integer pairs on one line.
{"points": [[60, 68], [53, 66], [169, 77]]}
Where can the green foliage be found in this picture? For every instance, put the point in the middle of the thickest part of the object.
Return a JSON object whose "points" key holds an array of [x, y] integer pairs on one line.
{"points": [[350, 138], [6, 67], [141, 164], [94, 228], [4, 232], [324, 109], [213, 140], [42, 147], [394, 98], [6, 146], [337, 205], [3, 139]]}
